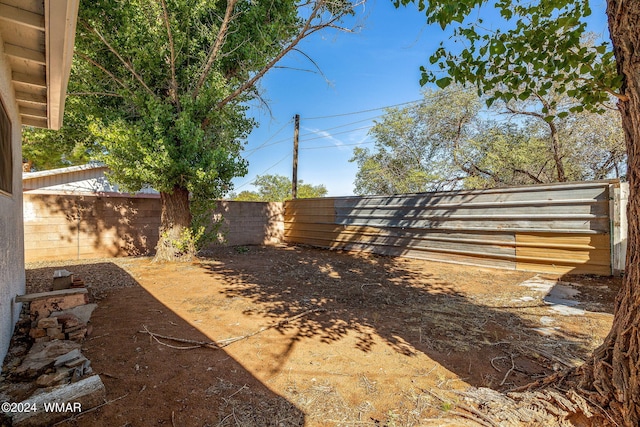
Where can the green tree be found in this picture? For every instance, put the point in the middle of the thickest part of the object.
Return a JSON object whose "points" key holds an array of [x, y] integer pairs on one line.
{"points": [[418, 147], [246, 196], [539, 49], [47, 149], [443, 143], [277, 188], [173, 78]]}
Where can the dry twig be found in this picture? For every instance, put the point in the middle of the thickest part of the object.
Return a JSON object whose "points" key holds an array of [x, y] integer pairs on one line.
{"points": [[225, 342], [513, 366]]}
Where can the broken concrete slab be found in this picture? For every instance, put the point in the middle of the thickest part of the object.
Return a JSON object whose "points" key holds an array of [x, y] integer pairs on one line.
{"points": [[63, 402], [42, 356], [82, 312], [62, 279], [61, 273]]}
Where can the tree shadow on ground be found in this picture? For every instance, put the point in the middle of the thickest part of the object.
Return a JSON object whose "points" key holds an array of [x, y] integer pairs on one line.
{"points": [[150, 384], [486, 338]]}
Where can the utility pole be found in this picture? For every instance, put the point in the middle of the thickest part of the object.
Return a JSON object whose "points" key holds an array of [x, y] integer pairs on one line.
{"points": [[294, 179]]}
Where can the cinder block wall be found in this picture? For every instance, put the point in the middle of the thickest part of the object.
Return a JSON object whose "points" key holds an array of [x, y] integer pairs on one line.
{"points": [[251, 223], [64, 226]]}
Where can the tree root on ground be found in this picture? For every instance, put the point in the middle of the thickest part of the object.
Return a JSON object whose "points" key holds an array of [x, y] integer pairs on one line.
{"points": [[544, 406]]}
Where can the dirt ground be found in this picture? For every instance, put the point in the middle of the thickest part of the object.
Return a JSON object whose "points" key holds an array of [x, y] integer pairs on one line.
{"points": [[319, 338]]}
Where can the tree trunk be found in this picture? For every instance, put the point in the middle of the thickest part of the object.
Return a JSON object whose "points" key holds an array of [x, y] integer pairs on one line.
{"points": [[557, 157], [614, 372], [175, 243]]}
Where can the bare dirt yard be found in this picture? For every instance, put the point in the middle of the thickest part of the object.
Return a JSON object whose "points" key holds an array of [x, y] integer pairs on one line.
{"points": [[318, 338]]}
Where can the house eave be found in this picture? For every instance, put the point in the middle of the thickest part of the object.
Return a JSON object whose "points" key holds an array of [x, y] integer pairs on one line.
{"points": [[60, 30], [38, 37]]}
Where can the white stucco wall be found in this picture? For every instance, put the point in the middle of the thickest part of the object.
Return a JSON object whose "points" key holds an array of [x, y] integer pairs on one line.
{"points": [[12, 279]]}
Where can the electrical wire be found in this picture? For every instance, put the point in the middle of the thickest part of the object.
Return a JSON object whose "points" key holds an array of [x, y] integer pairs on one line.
{"points": [[360, 112], [264, 144], [318, 132], [266, 170], [338, 146], [341, 126], [337, 133]]}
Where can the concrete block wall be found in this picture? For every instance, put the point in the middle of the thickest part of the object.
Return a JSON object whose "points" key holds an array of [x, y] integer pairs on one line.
{"points": [[65, 226], [250, 223], [59, 227]]}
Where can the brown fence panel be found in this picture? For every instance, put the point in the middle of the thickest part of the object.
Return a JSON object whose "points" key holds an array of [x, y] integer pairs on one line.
{"points": [[556, 228]]}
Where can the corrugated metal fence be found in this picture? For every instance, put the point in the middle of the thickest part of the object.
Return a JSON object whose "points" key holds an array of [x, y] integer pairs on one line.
{"points": [[556, 228]]}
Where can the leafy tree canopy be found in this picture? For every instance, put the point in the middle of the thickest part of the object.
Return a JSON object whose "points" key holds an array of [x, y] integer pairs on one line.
{"points": [[73, 145], [446, 142], [541, 49], [277, 188], [165, 86], [538, 47]]}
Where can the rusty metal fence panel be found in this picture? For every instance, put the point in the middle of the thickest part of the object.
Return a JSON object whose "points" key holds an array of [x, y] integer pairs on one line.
{"points": [[557, 228]]}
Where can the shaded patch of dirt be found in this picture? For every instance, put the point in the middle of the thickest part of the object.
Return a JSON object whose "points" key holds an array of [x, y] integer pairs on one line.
{"points": [[321, 338]]}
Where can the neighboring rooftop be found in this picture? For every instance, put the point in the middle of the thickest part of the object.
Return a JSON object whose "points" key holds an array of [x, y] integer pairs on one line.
{"points": [[83, 179]]}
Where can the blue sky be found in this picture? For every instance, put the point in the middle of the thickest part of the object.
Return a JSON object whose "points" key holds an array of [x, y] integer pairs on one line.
{"points": [[377, 66]]}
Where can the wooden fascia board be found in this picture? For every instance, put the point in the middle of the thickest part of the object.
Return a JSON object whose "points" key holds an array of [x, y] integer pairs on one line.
{"points": [[60, 30]]}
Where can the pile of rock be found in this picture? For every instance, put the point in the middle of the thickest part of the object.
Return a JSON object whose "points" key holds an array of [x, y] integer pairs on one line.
{"points": [[53, 367], [61, 315]]}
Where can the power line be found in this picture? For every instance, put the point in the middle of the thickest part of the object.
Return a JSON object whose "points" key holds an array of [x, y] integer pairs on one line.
{"points": [[337, 133], [341, 126], [280, 141], [266, 170], [338, 146], [264, 144], [363, 111]]}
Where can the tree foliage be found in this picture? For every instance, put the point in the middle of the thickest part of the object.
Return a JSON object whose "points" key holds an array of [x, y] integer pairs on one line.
{"points": [[172, 79], [277, 188], [541, 49], [73, 145], [447, 142]]}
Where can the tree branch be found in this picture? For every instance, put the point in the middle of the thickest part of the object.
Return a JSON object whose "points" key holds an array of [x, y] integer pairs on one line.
{"points": [[127, 65], [315, 64], [174, 83], [529, 174], [306, 31], [117, 95], [104, 70], [524, 113], [217, 45]]}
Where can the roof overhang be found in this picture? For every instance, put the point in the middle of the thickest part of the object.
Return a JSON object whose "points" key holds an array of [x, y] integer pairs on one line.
{"points": [[38, 40]]}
